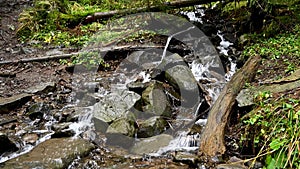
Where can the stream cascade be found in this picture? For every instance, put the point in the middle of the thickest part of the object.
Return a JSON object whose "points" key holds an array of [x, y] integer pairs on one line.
{"points": [[155, 101]]}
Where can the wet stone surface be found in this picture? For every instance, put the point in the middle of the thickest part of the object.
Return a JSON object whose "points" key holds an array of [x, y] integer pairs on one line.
{"points": [[53, 153], [138, 104]]}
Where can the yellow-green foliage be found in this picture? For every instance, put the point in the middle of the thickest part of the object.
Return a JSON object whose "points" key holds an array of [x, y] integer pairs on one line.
{"points": [[55, 21]]}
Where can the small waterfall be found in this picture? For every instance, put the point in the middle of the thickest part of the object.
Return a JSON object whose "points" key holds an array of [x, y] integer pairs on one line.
{"points": [[183, 141], [169, 39], [84, 122]]}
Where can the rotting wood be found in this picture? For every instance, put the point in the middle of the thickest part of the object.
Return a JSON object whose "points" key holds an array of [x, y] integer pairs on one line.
{"points": [[175, 4], [69, 55], [212, 140]]}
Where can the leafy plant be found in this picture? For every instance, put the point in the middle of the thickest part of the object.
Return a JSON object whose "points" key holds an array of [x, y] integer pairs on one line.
{"points": [[275, 131], [46, 18], [90, 59]]}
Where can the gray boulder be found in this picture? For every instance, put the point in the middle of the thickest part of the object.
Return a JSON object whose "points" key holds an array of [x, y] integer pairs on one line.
{"points": [[115, 105], [151, 144], [183, 80], [123, 126], [151, 127], [156, 101], [53, 153]]}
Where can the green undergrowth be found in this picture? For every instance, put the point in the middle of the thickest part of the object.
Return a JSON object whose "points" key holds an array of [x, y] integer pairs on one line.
{"points": [[61, 22], [274, 47], [272, 127], [283, 50]]}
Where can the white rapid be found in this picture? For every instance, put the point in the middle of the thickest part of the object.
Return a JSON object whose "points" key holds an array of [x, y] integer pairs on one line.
{"points": [[183, 141]]}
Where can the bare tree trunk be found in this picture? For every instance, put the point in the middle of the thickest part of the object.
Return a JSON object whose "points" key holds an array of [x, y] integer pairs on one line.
{"points": [[212, 139]]}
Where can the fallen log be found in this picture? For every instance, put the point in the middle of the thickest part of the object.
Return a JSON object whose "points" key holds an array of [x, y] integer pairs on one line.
{"points": [[166, 5], [69, 55], [212, 140]]}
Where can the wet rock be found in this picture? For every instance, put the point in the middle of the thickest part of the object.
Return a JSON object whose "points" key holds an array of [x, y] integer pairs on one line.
{"points": [[151, 127], [100, 126], [123, 126], [60, 126], [151, 144], [62, 130], [10, 103], [115, 105], [53, 153], [41, 88], [6, 145], [142, 60], [119, 140], [186, 158], [91, 86], [196, 129], [30, 138], [215, 39], [156, 100], [137, 87], [208, 29], [37, 111], [168, 62], [230, 166], [183, 80], [171, 61], [72, 114], [87, 100]]}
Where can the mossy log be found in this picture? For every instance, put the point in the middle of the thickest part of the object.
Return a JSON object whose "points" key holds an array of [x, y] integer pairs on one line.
{"points": [[212, 140], [167, 5]]}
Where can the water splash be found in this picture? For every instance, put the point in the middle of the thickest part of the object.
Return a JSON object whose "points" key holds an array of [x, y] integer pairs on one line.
{"points": [[27, 148], [182, 142], [84, 122], [224, 45]]}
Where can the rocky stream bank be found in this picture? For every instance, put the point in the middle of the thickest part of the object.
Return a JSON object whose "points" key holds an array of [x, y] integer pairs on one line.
{"points": [[146, 110]]}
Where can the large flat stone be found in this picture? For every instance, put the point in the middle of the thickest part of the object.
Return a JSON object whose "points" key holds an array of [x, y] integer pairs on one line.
{"points": [[10, 103], [54, 153], [151, 144]]}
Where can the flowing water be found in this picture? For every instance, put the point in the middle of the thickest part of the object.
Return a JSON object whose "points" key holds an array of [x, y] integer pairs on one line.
{"points": [[182, 140]]}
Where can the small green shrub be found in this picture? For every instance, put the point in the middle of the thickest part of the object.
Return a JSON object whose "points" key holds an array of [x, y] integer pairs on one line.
{"points": [[275, 129]]}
